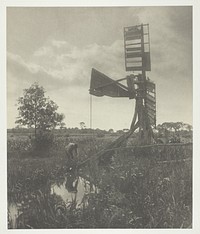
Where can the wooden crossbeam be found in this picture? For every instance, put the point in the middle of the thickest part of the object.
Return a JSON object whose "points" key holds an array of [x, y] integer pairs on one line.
{"points": [[114, 82]]}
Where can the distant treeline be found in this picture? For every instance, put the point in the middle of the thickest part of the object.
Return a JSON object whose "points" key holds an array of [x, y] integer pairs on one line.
{"points": [[68, 131], [163, 130]]}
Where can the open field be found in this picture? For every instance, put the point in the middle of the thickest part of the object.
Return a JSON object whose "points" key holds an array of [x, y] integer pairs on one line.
{"points": [[138, 187]]}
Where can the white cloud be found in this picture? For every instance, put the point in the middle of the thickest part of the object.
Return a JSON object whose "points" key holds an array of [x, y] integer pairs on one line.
{"points": [[73, 65], [59, 44], [60, 62], [19, 61]]}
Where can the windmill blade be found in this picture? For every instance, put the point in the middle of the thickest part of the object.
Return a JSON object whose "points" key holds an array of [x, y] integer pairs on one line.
{"points": [[150, 98], [151, 87], [101, 85], [152, 120], [137, 46], [151, 107], [151, 102], [151, 113]]}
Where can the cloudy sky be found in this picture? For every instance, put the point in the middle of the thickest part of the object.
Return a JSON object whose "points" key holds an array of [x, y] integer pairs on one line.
{"points": [[58, 47]]}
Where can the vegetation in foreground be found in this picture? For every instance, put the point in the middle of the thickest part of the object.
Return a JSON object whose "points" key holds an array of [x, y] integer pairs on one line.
{"points": [[136, 189]]}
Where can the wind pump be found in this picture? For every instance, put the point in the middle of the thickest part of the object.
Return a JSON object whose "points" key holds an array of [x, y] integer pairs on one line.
{"points": [[139, 87]]}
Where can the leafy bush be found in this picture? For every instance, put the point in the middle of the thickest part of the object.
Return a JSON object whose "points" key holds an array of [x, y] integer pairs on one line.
{"points": [[43, 143]]}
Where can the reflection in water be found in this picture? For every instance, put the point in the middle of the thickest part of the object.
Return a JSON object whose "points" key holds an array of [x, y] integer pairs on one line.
{"points": [[13, 213], [71, 183], [73, 189]]}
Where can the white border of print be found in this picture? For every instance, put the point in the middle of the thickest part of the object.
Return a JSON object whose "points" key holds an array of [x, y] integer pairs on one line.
{"points": [[196, 106]]}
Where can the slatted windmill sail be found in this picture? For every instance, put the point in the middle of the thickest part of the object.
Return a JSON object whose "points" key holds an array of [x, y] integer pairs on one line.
{"points": [[139, 87]]}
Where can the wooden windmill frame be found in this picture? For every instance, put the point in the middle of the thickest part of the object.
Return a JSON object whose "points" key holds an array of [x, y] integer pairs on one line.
{"points": [[139, 87]]}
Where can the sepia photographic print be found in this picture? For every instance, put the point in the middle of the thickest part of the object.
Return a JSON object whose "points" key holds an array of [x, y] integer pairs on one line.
{"points": [[99, 117]]}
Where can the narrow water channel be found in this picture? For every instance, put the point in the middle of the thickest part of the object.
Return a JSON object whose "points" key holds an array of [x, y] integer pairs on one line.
{"points": [[72, 190]]}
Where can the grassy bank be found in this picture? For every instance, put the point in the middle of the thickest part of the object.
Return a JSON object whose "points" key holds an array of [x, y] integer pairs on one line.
{"points": [[139, 188]]}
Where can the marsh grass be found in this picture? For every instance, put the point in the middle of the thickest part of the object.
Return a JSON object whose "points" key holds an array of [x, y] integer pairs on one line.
{"points": [[134, 190]]}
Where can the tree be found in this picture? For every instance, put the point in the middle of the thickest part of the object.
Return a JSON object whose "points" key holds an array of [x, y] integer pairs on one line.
{"points": [[38, 111], [62, 126], [82, 125], [188, 127], [173, 126], [125, 130]]}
